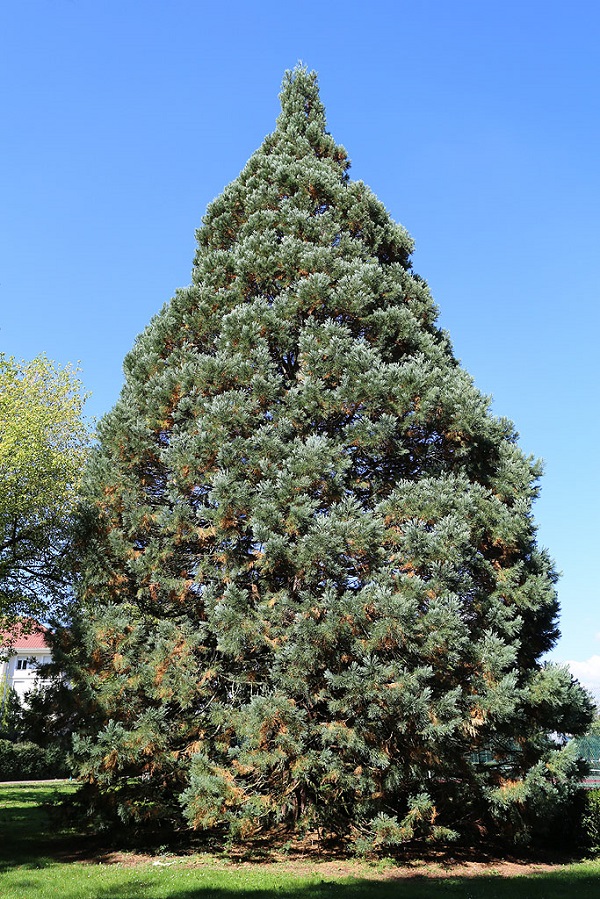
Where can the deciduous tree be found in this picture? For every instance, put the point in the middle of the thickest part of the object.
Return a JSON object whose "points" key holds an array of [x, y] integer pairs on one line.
{"points": [[42, 445]]}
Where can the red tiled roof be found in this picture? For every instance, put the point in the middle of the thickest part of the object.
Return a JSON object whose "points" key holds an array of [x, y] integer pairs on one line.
{"points": [[17, 640]]}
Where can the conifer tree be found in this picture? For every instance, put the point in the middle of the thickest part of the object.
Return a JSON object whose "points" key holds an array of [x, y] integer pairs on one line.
{"points": [[313, 593]]}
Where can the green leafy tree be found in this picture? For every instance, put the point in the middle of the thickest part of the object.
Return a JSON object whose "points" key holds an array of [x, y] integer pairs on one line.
{"points": [[42, 445], [314, 593]]}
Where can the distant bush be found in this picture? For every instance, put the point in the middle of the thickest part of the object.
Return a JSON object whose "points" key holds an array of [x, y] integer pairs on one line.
{"points": [[28, 761], [590, 821]]}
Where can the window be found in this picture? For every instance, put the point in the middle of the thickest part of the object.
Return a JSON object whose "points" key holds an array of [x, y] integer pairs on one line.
{"points": [[24, 664]]}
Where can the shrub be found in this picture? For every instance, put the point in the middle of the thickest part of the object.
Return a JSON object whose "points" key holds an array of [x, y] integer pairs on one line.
{"points": [[28, 761], [590, 821]]}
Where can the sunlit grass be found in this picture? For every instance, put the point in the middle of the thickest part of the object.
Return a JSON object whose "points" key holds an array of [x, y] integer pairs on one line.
{"points": [[32, 866]]}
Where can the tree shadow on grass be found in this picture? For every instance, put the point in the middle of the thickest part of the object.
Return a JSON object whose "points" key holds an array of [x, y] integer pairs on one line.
{"points": [[29, 836], [132, 886], [32, 848]]}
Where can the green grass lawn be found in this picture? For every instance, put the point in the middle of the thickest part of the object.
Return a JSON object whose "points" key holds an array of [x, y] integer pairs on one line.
{"points": [[35, 853]]}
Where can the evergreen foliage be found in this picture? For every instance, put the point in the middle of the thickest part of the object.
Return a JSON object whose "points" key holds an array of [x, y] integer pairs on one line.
{"points": [[314, 595], [10, 711], [57, 705]]}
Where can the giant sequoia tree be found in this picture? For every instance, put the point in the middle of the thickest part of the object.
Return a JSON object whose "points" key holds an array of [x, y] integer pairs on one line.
{"points": [[314, 596]]}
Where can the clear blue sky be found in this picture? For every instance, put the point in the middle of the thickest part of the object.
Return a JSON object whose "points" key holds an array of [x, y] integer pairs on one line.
{"points": [[476, 122]]}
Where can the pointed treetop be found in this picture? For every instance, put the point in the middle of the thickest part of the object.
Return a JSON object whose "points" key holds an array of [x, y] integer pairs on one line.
{"points": [[306, 527], [300, 102]]}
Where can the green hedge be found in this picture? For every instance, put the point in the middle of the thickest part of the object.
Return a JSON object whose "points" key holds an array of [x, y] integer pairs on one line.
{"points": [[590, 821], [28, 761]]}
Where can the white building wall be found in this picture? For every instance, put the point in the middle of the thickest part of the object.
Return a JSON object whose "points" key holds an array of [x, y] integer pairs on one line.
{"points": [[20, 671]]}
